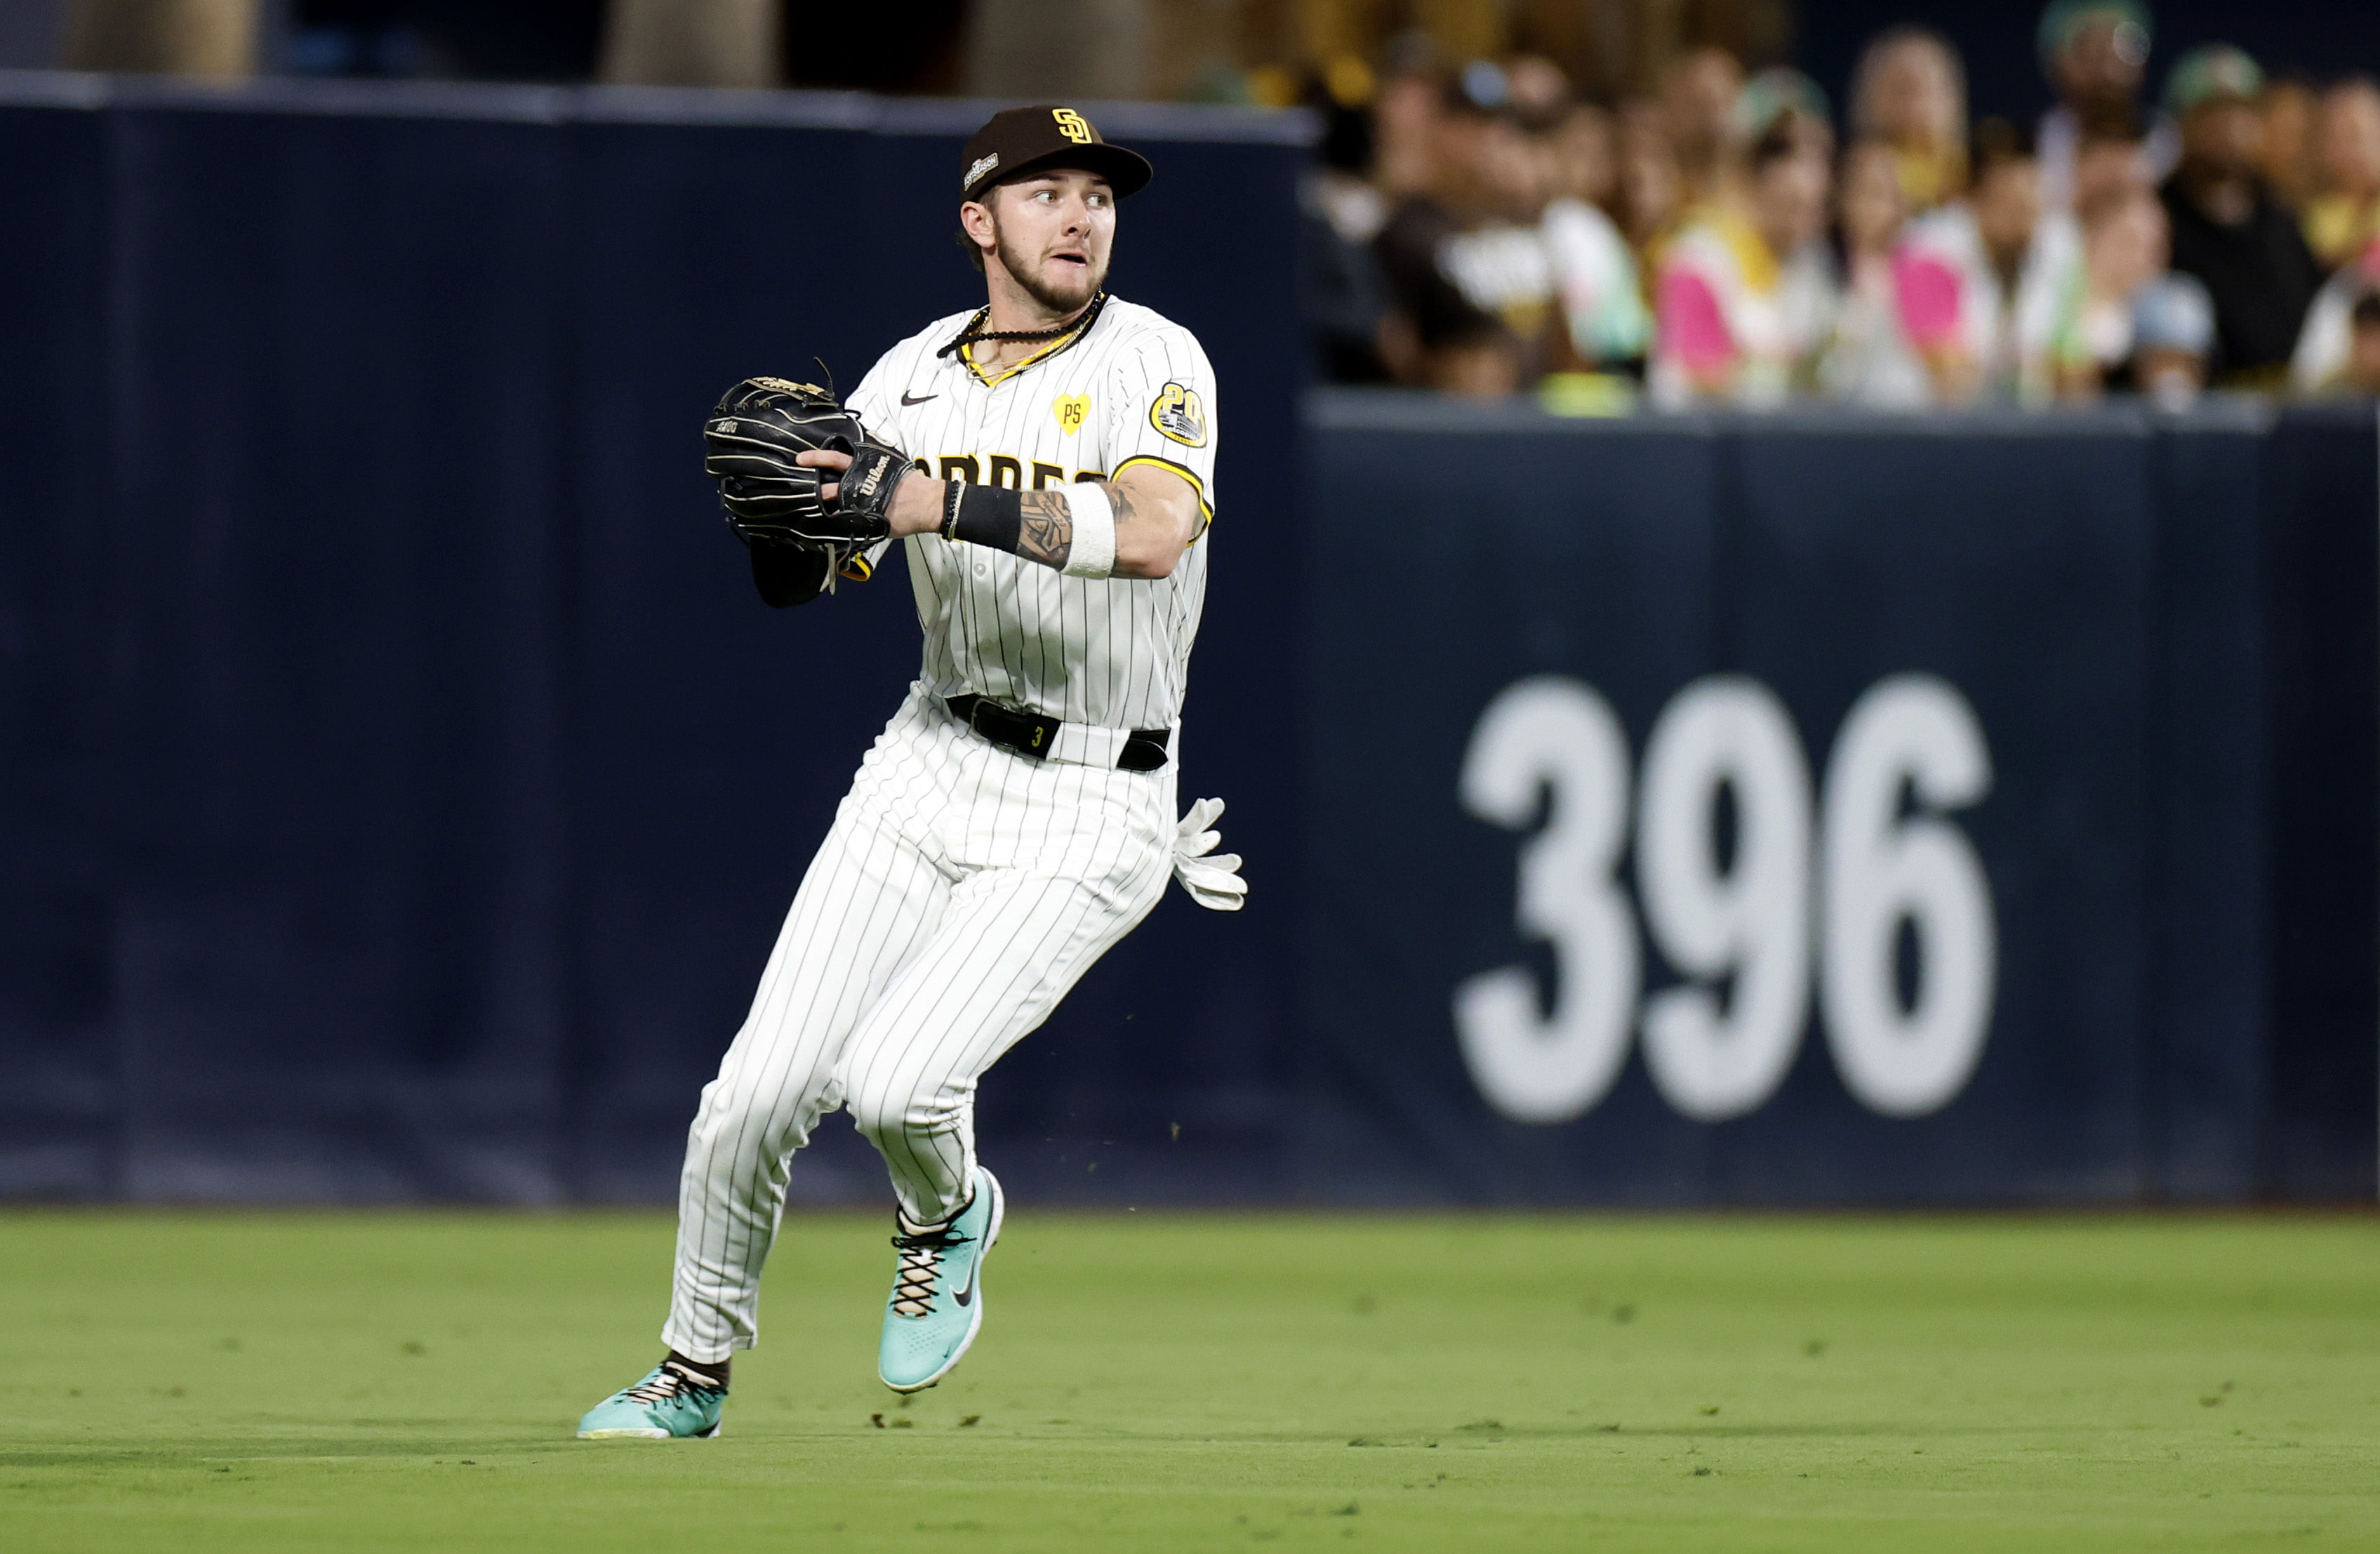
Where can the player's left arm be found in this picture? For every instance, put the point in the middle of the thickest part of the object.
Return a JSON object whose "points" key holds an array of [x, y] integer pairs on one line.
{"points": [[1156, 512], [1156, 431], [1156, 518]]}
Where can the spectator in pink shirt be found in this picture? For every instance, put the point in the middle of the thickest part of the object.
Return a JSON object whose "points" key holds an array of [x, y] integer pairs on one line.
{"points": [[2012, 262], [1742, 294], [1894, 341]]}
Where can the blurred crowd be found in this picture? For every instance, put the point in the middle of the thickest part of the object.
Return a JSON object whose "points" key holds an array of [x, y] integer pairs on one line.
{"points": [[1480, 228]]}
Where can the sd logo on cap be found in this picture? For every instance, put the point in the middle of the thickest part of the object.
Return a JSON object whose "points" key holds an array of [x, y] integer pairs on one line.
{"points": [[1023, 140]]}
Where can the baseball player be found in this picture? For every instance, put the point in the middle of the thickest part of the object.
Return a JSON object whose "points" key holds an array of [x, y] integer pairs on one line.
{"points": [[1048, 462]]}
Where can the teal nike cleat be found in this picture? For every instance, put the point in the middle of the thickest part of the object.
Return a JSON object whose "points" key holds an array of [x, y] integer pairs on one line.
{"points": [[671, 1403], [937, 1301]]}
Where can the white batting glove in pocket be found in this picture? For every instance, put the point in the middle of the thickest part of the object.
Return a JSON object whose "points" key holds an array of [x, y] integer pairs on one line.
{"points": [[1214, 882]]}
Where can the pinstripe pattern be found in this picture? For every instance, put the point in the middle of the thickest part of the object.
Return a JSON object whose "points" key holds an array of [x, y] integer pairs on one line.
{"points": [[1113, 652], [961, 891]]}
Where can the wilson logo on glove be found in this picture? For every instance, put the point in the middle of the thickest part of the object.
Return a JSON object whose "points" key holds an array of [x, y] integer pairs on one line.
{"points": [[754, 447]]}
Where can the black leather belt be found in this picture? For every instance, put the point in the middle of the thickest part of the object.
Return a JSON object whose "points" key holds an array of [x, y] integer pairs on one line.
{"points": [[1032, 735]]}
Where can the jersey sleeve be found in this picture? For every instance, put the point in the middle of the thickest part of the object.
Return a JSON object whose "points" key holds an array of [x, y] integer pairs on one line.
{"points": [[1160, 410]]}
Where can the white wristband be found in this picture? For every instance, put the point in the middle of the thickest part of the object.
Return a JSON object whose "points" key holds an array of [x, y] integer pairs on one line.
{"points": [[1093, 554]]}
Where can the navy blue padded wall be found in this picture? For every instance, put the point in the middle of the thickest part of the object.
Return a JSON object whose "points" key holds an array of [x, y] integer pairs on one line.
{"points": [[710, 736], [2165, 628], [404, 785], [344, 458], [1591, 550], [405, 780], [2012, 557], [59, 1099], [2208, 985], [2321, 554]]}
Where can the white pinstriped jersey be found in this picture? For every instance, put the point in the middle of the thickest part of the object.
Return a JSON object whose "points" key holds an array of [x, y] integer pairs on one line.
{"points": [[1134, 389]]}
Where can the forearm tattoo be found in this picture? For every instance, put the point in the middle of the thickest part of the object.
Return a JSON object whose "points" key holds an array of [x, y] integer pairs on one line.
{"points": [[1047, 535]]}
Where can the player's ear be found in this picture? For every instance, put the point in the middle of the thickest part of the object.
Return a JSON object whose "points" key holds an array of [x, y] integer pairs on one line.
{"points": [[976, 229]]}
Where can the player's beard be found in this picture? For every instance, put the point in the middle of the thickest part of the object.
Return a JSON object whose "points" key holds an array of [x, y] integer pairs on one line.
{"points": [[1059, 304]]}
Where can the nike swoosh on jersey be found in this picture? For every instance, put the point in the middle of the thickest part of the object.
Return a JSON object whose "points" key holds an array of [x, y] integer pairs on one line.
{"points": [[919, 400]]}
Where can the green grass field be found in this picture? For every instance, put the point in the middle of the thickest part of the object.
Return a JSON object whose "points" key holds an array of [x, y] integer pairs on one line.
{"points": [[278, 1382]]}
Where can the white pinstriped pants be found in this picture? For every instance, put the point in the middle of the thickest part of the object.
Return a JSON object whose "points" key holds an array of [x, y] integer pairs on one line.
{"points": [[961, 892]]}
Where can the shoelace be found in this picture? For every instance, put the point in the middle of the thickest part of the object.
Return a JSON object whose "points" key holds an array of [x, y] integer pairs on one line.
{"points": [[667, 1383], [921, 1264]]}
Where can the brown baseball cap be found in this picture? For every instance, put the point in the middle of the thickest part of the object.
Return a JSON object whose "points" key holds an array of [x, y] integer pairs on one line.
{"points": [[1020, 140]]}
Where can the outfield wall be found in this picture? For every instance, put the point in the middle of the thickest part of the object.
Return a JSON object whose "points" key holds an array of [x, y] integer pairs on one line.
{"points": [[400, 782], [2046, 869], [400, 785]]}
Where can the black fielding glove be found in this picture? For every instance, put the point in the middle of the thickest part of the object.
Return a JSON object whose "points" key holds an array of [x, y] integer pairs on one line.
{"points": [[750, 443]]}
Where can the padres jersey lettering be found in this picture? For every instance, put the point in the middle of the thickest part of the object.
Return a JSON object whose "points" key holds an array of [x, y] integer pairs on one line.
{"points": [[1134, 389]]}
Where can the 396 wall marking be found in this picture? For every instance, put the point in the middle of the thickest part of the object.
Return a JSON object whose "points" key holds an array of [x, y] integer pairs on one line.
{"points": [[1819, 888]]}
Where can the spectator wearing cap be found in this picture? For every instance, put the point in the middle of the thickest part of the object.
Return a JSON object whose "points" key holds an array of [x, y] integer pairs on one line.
{"points": [[1742, 294], [1471, 288], [2227, 228], [1910, 95], [2096, 53], [2344, 218], [2012, 262], [1782, 97]]}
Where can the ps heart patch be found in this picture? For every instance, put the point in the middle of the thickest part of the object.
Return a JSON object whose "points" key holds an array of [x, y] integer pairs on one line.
{"points": [[1072, 411]]}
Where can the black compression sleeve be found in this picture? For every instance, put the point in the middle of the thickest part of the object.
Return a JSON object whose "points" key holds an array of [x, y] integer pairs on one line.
{"points": [[988, 516]]}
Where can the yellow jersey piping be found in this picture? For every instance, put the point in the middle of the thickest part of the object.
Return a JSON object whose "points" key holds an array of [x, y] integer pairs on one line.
{"points": [[1198, 486]]}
